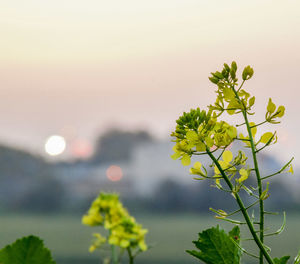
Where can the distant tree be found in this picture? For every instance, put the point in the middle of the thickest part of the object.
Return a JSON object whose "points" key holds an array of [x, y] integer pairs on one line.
{"points": [[27, 182], [117, 145], [170, 196], [46, 196]]}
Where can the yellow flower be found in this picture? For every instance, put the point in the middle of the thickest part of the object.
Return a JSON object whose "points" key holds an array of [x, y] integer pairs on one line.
{"points": [[245, 139], [181, 149], [93, 218], [291, 170], [142, 245], [197, 169], [225, 165], [124, 231], [244, 175], [272, 113], [253, 129], [98, 242]]}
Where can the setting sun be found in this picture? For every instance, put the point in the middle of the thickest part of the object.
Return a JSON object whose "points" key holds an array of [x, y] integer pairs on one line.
{"points": [[55, 145]]}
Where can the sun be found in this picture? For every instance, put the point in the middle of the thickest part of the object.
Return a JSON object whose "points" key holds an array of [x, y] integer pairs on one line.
{"points": [[55, 145]]}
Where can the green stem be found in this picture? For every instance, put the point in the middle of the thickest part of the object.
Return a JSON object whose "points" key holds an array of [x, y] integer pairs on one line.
{"points": [[259, 182], [114, 254], [130, 255], [243, 210], [261, 123]]}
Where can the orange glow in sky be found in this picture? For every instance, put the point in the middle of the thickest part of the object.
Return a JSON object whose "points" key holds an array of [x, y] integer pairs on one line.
{"points": [[114, 173], [81, 148], [90, 65]]}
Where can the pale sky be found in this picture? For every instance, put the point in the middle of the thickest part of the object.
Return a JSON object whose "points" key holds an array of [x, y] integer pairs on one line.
{"points": [[76, 67]]}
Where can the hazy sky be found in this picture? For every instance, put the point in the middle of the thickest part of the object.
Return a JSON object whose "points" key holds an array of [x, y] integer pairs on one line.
{"points": [[78, 67]]}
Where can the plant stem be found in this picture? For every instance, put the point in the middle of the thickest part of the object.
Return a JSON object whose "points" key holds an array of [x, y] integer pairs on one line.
{"points": [[243, 210], [258, 178], [131, 257], [114, 254], [259, 184]]}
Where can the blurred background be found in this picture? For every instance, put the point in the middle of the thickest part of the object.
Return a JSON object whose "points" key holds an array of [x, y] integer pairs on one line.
{"points": [[89, 94]]}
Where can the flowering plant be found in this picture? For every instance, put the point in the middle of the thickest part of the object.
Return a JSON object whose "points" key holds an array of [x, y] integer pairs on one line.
{"points": [[124, 233], [203, 133]]}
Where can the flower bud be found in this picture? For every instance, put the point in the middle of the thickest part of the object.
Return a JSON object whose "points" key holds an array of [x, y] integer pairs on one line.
{"points": [[214, 80], [218, 75], [247, 73], [226, 67], [234, 66]]}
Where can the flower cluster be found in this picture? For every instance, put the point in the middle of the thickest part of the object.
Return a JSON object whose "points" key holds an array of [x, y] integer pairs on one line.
{"points": [[229, 165], [228, 99], [107, 211], [198, 131]]}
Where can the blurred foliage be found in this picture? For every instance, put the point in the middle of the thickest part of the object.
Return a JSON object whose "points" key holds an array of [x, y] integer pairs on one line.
{"points": [[27, 182], [116, 145]]}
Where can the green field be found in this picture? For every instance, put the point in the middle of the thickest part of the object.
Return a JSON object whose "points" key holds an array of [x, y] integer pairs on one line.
{"points": [[170, 235]]}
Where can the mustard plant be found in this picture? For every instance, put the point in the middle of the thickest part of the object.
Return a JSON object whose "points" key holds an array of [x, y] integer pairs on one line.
{"points": [[199, 132], [123, 232]]}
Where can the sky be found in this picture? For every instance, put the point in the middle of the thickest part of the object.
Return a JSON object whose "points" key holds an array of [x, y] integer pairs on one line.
{"points": [[77, 68]]}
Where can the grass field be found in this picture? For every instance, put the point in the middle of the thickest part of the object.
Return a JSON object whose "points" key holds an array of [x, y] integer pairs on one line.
{"points": [[170, 235]]}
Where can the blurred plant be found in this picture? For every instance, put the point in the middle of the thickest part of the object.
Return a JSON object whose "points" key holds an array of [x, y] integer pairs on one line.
{"points": [[201, 133], [124, 233]]}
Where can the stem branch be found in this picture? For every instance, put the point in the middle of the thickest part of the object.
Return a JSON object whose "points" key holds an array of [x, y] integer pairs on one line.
{"points": [[243, 210]]}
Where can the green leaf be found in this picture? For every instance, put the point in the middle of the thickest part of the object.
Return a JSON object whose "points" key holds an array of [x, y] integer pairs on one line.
{"points": [[27, 250], [282, 260], [217, 247]]}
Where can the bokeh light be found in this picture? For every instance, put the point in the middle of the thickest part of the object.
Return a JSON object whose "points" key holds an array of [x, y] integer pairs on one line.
{"points": [[55, 145], [114, 173], [81, 148]]}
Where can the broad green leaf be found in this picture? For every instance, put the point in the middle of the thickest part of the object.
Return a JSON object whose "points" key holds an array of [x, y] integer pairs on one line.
{"points": [[27, 250], [282, 260], [217, 247]]}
